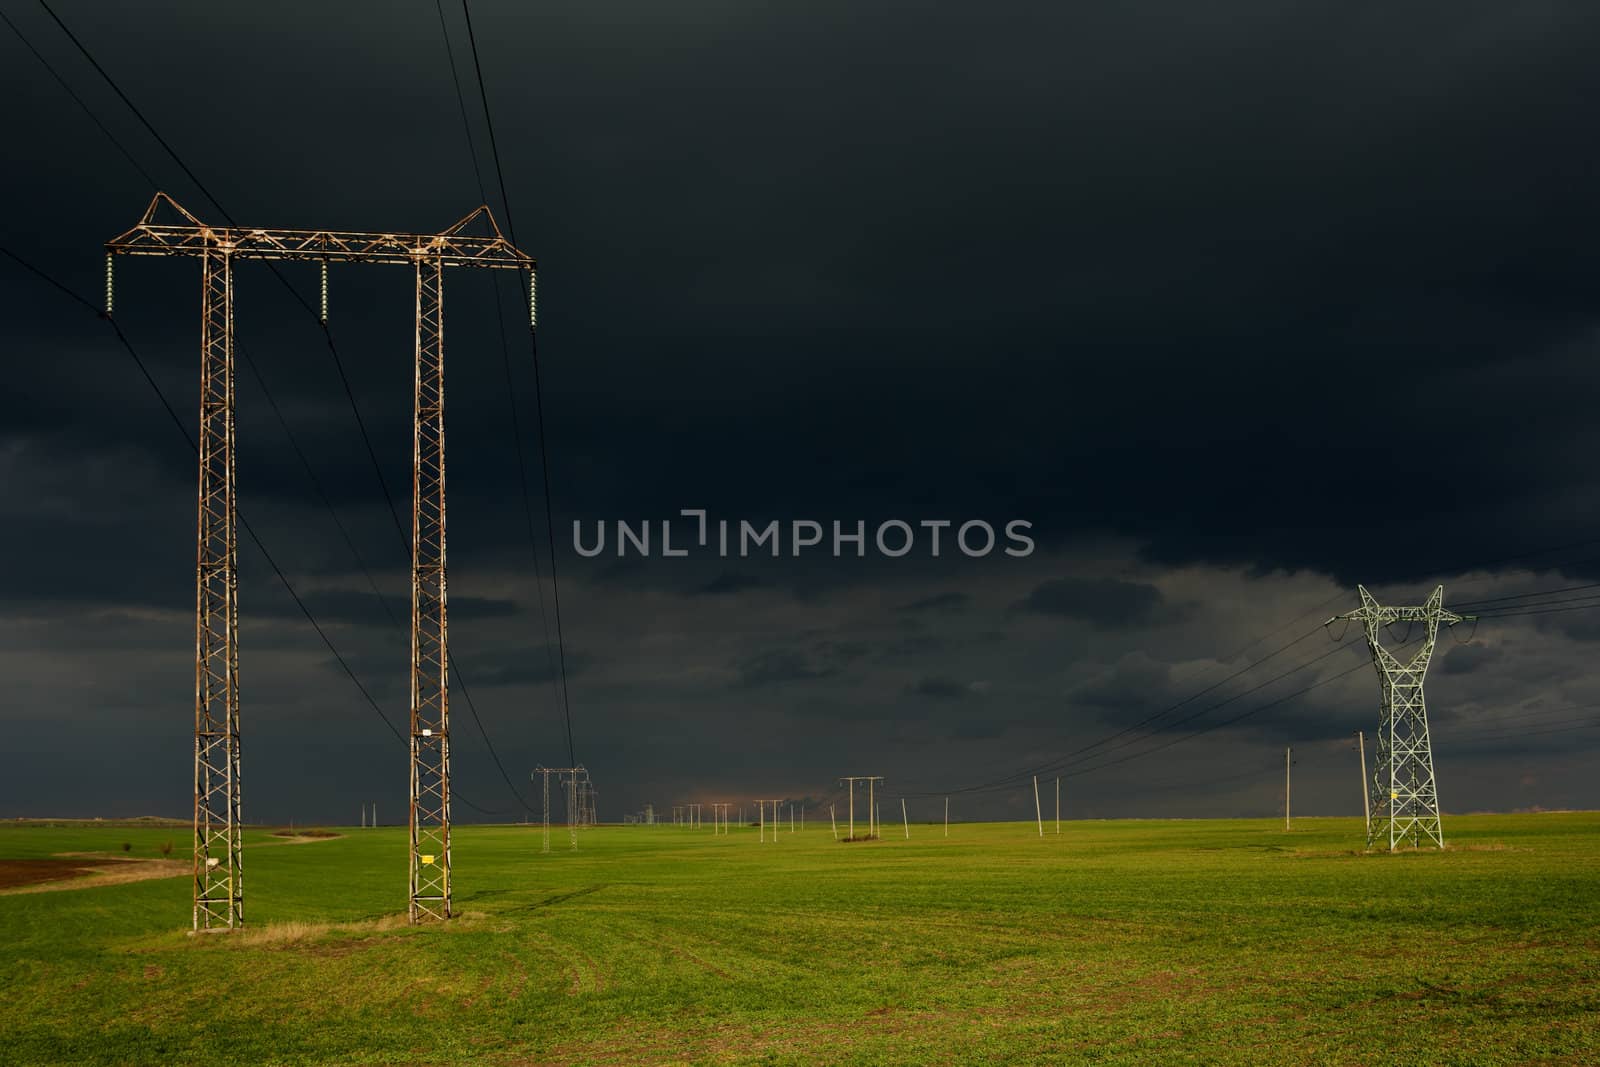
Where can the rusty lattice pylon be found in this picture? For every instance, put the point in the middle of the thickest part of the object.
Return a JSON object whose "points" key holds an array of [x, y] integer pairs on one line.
{"points": [[218, 884]]}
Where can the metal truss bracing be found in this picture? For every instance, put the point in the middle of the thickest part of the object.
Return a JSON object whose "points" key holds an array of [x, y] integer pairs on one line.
{"points": [[218, 893], [587, 795], [218, 884], [430, 643], [544, 774], [1403, 790], [452, 247], [572, 810]]}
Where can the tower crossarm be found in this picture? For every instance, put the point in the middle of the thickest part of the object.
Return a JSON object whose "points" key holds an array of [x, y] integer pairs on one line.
{"points": [[1410, 613], [190, 237], [1373, 614]]}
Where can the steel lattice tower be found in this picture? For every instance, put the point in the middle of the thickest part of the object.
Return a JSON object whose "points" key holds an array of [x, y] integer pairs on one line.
{"points": [[218, 892], [218, 867], [430, 635], [575, 780], [1403, 790]]}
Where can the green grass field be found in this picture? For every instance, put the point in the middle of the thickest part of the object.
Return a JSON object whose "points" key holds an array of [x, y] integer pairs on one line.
{"points": [[1116, 942]]}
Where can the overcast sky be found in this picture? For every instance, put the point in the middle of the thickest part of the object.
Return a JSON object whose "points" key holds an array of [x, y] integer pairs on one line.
{"points": [[1237, 304]]}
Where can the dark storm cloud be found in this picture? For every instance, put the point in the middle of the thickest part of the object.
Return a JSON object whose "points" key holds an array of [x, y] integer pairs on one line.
{"points": [[728, 582], [938, 688], [1136, 682], [370, 609], [978, 730], [1107, 602], [818, 658], [1466, 659], [911, 646], [939, 602], [532, 665], [782, 665], [1576, 626], [1194, 289]]}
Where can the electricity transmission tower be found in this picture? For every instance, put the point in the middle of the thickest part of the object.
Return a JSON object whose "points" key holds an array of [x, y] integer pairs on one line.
{"points": [[584, 794], [1404, 794], [575, 781], [218, 888]]}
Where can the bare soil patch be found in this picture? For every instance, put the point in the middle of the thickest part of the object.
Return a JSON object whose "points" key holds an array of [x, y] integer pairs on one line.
{"points": [[82, 872], [26, 872]]}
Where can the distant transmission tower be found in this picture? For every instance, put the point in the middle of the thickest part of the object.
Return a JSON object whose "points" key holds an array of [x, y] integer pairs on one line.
{"points": [[579, 797], [1404, 794], [218, 892]]}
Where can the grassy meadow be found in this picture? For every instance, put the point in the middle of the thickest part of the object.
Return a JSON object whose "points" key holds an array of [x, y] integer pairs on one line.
{"points": [[1201, 942]]}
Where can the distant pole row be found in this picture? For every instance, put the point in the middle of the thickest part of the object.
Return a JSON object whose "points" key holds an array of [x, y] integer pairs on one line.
{"points": [[872, 781]]}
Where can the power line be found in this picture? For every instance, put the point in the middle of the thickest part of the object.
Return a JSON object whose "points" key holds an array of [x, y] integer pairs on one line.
{"points": [[255, 371], [461, 102], [255, 538], [1063, 764], [1525, 596], [1214, 707], [1159, 786], [327, 335], [333, 349], [511, 388], [1548, 607], [1215, 685], [538, 383], [1146, 725], [1485, 564], [1150, 719], [78, 100], [1512, 735], [1065, 768], [1082, 753]]}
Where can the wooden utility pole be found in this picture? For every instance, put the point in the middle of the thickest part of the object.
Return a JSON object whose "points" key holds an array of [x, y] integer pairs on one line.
{"points": [[1036, 813], [1058, 803], [761, 805], [947, 816], [904, 819], [872, 803]]}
